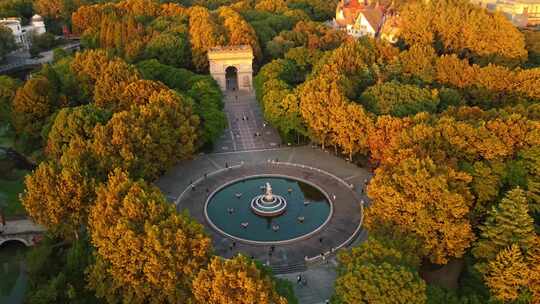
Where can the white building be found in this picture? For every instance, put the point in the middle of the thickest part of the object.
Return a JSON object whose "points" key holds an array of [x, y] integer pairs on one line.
{"points": [[23, 34], [522, 13], [362, 19]]}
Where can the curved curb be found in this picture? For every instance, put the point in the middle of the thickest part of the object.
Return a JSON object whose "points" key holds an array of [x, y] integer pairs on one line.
{"points": [[246, 241]]}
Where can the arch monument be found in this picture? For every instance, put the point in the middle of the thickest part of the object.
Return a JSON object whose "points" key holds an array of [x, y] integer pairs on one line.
{"points": [[232, 67]]}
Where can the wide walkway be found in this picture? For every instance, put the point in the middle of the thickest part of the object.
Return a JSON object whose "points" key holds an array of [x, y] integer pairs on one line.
{"points": [[246, 127]]}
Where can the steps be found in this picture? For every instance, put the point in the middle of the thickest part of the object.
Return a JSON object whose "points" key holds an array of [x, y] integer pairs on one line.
{"points": [[288, 268]]}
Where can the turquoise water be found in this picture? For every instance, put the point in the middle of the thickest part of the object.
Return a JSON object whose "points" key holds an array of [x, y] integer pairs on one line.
{"points": [[13, 279], [262, 229]]}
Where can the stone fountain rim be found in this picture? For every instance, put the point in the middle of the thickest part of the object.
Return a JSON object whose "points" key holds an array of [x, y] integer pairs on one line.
{"points": [[252, 242]]}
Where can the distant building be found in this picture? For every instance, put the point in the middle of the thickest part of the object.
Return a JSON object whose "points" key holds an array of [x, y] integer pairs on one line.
{"points": [[23, 34], [521, 13], [362, 19]]}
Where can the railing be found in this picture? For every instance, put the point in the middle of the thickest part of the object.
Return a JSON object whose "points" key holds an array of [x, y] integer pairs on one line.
{"points": [[347, 242], [200, 179], [350, 186], [307, 259]]}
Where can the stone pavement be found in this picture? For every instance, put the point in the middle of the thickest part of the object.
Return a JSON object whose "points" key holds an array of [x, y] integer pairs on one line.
{"points": [[239, 145], [320, 277], [246, 127], [320, 283], [286, 257]]}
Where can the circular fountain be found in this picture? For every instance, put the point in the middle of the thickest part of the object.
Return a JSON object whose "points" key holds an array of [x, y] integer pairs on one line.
{"points": [[245, 211], [268, 204]]}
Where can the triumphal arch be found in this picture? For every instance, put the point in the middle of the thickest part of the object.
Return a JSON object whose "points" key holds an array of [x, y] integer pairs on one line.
{"points": [[232, 67]]}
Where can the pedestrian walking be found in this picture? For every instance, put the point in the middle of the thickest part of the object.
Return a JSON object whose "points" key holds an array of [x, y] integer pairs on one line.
{"points": [[298, 279]]}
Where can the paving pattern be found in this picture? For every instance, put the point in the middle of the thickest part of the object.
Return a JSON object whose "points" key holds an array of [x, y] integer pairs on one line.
{"points": [[285, 257], [246, 127], [239, 145]]}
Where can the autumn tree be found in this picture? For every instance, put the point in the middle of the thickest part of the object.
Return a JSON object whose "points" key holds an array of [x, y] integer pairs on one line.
{"points": [[237, 280], [431, 201], [139, 93], [34, 102], [149, 138], [309, 34], [316, 97], [71, 122], [58, 198], [458, 27], [204, 33], [145, 251], [352, 125], [508, 223], [111, 83], [239, 32], [508, 275]]}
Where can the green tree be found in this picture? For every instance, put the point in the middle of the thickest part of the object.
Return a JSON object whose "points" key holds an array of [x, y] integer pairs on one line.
{"points": [[8, 88], [7, 42], [169, 49], [399, 99], [381, 270], [508, 223], [71, 122]]}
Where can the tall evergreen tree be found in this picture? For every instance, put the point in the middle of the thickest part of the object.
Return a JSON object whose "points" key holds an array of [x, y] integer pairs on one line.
{"points": [[507, 224]]}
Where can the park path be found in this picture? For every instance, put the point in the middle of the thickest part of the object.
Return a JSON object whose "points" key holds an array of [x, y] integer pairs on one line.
{"points": [[246, 129]]}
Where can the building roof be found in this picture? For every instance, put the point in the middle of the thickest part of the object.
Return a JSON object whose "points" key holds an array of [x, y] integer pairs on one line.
{"points": [[374, 16], [11, 20], [350, 10]]}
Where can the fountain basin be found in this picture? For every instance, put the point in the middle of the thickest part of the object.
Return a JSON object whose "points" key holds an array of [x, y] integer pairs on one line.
{"points": [[254, 219]]}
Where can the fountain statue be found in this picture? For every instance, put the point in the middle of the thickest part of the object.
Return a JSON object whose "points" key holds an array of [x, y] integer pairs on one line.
{"points": [[268, 204], [268, 196]]}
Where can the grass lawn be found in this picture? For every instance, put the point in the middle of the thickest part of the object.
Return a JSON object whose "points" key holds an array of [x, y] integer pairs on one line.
{"points": [[10, 189]]}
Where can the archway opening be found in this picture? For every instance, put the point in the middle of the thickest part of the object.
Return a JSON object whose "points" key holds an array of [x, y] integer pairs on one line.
{"points": [[231, 78]]}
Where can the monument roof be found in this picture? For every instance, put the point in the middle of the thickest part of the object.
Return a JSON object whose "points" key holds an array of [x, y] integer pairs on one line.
{"points": [[231, 49]]}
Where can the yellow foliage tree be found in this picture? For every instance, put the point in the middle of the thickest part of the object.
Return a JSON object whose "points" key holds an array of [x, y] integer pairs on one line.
{"points": [[237, 280], [459, 26], [239, 31], [148, 138], [204, 33], [508, 274], [145, 251], [425, 199], [112, 82], [58, 198]]}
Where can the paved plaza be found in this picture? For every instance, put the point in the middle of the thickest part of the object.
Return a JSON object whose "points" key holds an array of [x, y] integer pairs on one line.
{"points": [[239, 154]]}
